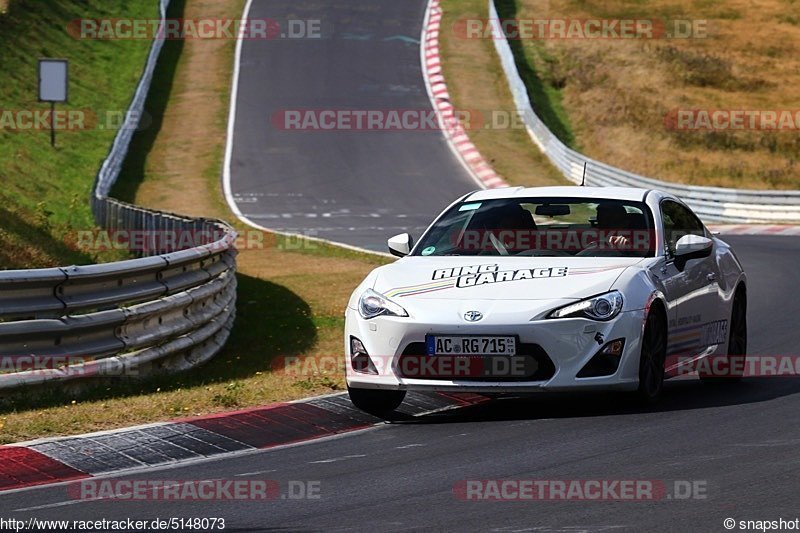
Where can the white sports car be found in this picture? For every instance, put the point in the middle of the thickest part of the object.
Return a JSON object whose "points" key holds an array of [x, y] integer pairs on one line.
{"points": [[547, 289]]}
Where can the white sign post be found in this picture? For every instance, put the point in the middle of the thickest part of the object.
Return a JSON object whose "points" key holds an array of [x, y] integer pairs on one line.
{"points": [[53, 87]]}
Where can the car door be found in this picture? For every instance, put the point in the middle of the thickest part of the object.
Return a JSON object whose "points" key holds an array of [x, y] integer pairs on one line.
{"points": [[693, 285]]}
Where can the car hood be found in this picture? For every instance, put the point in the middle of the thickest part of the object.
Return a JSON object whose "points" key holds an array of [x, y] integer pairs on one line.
{"points": [[499, 278]]}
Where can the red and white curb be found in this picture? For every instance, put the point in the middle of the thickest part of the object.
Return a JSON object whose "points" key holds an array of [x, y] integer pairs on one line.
{"points": [[453, 130], [755, 229], [66, 459]]}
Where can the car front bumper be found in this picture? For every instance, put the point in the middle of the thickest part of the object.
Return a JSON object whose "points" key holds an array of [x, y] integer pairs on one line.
{"points": [[568, 343]]}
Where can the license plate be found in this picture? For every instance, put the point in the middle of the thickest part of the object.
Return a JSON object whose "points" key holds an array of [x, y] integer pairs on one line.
{"points": [[471, 345]]}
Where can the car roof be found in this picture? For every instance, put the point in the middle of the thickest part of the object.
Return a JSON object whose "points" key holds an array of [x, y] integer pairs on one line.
{"points": [[611, 193]]}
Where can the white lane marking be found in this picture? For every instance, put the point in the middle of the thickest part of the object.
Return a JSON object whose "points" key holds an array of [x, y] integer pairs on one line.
{"points": [[114, 496], [52, 505], [336, 459], [237, 67], [226, 168], [257, 473], [558, 529], [408, 446], [89, 500], [315, 215], [696, 459], [770, 444]]}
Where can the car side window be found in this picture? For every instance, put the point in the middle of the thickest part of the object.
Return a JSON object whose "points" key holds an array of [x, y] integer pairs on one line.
{"points": [[678, 221]]}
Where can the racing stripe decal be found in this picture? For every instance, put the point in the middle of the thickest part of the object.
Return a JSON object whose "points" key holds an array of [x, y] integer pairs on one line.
{"points": [[593, 270], [687, 339], [411, 290]]}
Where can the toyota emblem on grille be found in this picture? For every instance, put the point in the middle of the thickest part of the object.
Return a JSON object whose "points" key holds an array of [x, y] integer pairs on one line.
{"points": [[473, 316]]}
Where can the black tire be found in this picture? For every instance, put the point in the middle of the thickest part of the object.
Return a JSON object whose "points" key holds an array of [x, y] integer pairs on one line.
{"points": [[652, 359], [737, 343], [375, 401]]}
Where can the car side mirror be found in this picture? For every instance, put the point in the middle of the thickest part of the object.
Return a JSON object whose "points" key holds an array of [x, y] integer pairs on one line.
{"points": [[400, 245], [692, 247]]}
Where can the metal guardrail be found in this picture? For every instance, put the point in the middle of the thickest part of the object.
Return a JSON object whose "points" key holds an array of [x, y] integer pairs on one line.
{"points": [[169, 310], [710, 203]]}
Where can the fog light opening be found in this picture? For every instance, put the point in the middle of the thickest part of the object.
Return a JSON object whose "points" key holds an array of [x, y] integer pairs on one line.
{"points": [[613, 348], [359, 358], [605, 362]]}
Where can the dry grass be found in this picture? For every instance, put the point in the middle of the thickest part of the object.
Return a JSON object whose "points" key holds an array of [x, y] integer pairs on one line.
{"points": [[475, 82], [188, 142], [290, 303], [617, 92]]}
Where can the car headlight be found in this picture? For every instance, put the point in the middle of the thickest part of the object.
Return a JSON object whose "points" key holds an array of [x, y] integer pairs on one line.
{"points": [[372, 304], [602, 307]]}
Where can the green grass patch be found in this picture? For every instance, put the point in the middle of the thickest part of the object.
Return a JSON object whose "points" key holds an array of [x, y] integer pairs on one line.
{"points": [[45, 191], [539, 71]]}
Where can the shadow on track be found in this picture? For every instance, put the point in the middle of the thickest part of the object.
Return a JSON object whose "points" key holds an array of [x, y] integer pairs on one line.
{"points": [[678, 396]]}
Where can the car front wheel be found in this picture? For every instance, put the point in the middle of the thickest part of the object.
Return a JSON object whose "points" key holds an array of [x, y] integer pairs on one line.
{"points": [[653, 356]]}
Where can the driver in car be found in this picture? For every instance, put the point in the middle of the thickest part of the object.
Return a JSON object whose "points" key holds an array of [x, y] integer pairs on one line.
{"points": [[612, 217]]}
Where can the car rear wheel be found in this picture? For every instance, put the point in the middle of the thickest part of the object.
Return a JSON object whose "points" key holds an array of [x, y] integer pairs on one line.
{"points": [[737, 344], [653, 356], [375, 401]]}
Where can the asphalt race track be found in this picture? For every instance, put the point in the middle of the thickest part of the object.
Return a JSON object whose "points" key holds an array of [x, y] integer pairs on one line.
{"points": [[353, 187], [739, 442]]}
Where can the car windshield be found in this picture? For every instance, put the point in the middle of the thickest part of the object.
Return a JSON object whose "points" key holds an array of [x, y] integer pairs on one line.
{"points": [[542, 227]]}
